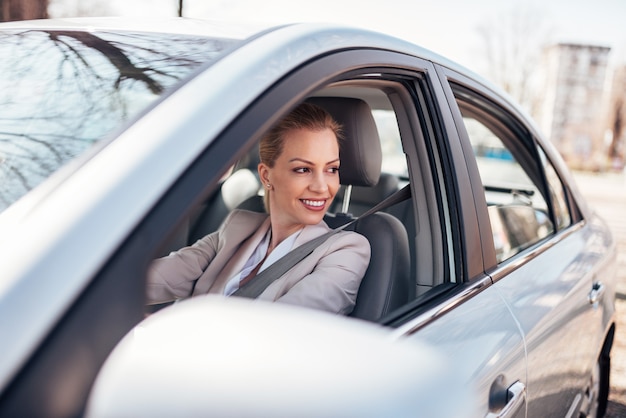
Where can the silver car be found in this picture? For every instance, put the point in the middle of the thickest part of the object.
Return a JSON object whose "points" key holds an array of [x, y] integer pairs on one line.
{"points": [[491, 287]]}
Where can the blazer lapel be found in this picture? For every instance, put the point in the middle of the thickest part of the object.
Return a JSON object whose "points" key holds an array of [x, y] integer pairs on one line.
{"points": [[311, 232], [276, 289], [233, 256], [230, 259]]}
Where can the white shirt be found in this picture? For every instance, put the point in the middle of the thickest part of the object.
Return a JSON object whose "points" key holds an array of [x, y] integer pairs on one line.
{"points": [[259, 253]]}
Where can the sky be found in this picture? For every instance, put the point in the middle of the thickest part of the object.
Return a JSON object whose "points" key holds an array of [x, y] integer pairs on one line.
{"points": [[448, 27]]}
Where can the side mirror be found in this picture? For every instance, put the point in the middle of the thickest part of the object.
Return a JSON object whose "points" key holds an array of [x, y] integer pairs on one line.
{"points": [[517, 227], [212, 356]]}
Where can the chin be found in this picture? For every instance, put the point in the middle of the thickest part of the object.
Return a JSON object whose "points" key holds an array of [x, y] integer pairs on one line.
{"points": [[313, 219]]}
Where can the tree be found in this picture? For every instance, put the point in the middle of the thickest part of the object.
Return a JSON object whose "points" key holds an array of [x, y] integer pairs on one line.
{"points": [[615, 149], [513, 44], [23, 9], [62, 91]]}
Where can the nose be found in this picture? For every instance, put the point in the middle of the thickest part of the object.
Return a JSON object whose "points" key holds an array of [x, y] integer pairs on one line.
{"points": [[318, 183]]}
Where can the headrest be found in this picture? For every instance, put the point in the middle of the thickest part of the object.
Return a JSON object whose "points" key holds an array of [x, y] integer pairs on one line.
{"points": [[360, 152], [370, 196]]}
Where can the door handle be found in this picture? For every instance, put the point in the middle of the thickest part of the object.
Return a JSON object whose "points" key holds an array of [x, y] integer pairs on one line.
{"points": [[597, 291], [515, 399]]}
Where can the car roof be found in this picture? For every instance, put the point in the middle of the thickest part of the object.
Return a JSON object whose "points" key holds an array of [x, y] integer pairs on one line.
{"points": [[345, 36], [174, 25], [348, 36]]}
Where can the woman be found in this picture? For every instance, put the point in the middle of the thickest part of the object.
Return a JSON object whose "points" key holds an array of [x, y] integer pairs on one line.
{"points": [[299, 169]]}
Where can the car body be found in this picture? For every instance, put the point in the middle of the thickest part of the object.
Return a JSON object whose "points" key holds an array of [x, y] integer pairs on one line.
{"points": [[121, 140]]}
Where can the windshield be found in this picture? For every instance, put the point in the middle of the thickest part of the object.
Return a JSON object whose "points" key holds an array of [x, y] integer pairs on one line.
{"points": [[62, 91]]}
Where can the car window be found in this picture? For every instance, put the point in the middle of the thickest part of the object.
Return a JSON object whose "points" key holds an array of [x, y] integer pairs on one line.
{"points": [[394, 159], [63, 91], [503, 177], [421, 262], [557, 193], [518, 205]]}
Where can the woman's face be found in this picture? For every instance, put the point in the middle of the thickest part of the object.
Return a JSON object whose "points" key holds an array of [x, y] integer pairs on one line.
{"points": [[304, 179]]}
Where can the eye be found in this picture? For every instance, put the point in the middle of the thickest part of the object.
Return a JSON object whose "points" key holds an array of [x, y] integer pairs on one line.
{"points": [[301, 170], [333, 170]]}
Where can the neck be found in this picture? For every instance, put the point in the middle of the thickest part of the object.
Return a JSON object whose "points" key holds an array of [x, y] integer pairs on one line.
{"points": [[280, 234]]}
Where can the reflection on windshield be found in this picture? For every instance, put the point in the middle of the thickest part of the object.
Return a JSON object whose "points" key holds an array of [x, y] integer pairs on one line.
{"points": [[62, 91]]}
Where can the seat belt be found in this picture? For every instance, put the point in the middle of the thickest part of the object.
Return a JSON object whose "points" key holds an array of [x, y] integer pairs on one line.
{"points": [[261, 281]]}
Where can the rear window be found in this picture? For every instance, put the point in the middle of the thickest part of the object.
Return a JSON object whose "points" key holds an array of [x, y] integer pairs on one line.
{"points": [[63, 91]]}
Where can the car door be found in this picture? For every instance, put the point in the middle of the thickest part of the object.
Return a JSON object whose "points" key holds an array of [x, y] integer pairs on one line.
{"points": [[543, 266], [459, 312]]}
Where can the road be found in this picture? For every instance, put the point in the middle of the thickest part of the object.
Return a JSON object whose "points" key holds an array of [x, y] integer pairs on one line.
{"points": [[607, 194]]}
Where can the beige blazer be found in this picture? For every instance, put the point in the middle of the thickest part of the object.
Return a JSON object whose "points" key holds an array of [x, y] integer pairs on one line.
{"points": [[327, 279]]}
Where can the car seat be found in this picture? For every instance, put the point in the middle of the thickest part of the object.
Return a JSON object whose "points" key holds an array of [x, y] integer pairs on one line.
{"points": [[386, 284], [239, 186]]}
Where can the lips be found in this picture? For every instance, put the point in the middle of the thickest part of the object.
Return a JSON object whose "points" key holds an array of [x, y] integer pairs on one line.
{"points": [[314, 204]]}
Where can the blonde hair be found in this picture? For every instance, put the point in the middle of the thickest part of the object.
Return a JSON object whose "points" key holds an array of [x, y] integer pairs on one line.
{"points": [[304, 116]]}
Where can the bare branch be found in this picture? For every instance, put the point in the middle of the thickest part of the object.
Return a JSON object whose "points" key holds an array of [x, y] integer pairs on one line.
{"points": [[513, 43], [117, 57]]}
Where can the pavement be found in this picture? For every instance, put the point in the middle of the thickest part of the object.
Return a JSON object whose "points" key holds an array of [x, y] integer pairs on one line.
{"points": [[606, 192]]}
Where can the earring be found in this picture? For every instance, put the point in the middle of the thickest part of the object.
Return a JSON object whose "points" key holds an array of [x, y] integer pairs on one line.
{"points": [[269, 186]]}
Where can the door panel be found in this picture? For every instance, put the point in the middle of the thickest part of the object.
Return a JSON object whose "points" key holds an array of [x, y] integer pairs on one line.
{"points": [[484, 345], [549, 297]]}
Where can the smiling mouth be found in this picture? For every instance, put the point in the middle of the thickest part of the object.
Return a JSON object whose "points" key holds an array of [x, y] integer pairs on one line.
{"points": [[317, 204]]}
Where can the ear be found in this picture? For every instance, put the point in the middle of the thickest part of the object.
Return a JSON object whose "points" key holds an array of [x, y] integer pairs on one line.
{"points": [[264, 173]]}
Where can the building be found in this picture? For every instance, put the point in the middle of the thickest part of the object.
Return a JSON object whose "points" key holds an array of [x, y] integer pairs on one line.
{"points": [[573, 112], [616, 119]]}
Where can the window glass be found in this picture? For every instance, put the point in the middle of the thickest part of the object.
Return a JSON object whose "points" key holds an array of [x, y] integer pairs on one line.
{"points": [[394, 160], [557, 193], [63, 91], [518, 211]]}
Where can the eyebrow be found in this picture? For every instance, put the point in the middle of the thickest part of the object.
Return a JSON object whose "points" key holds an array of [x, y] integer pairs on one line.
{"points": [[302, 160]]}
